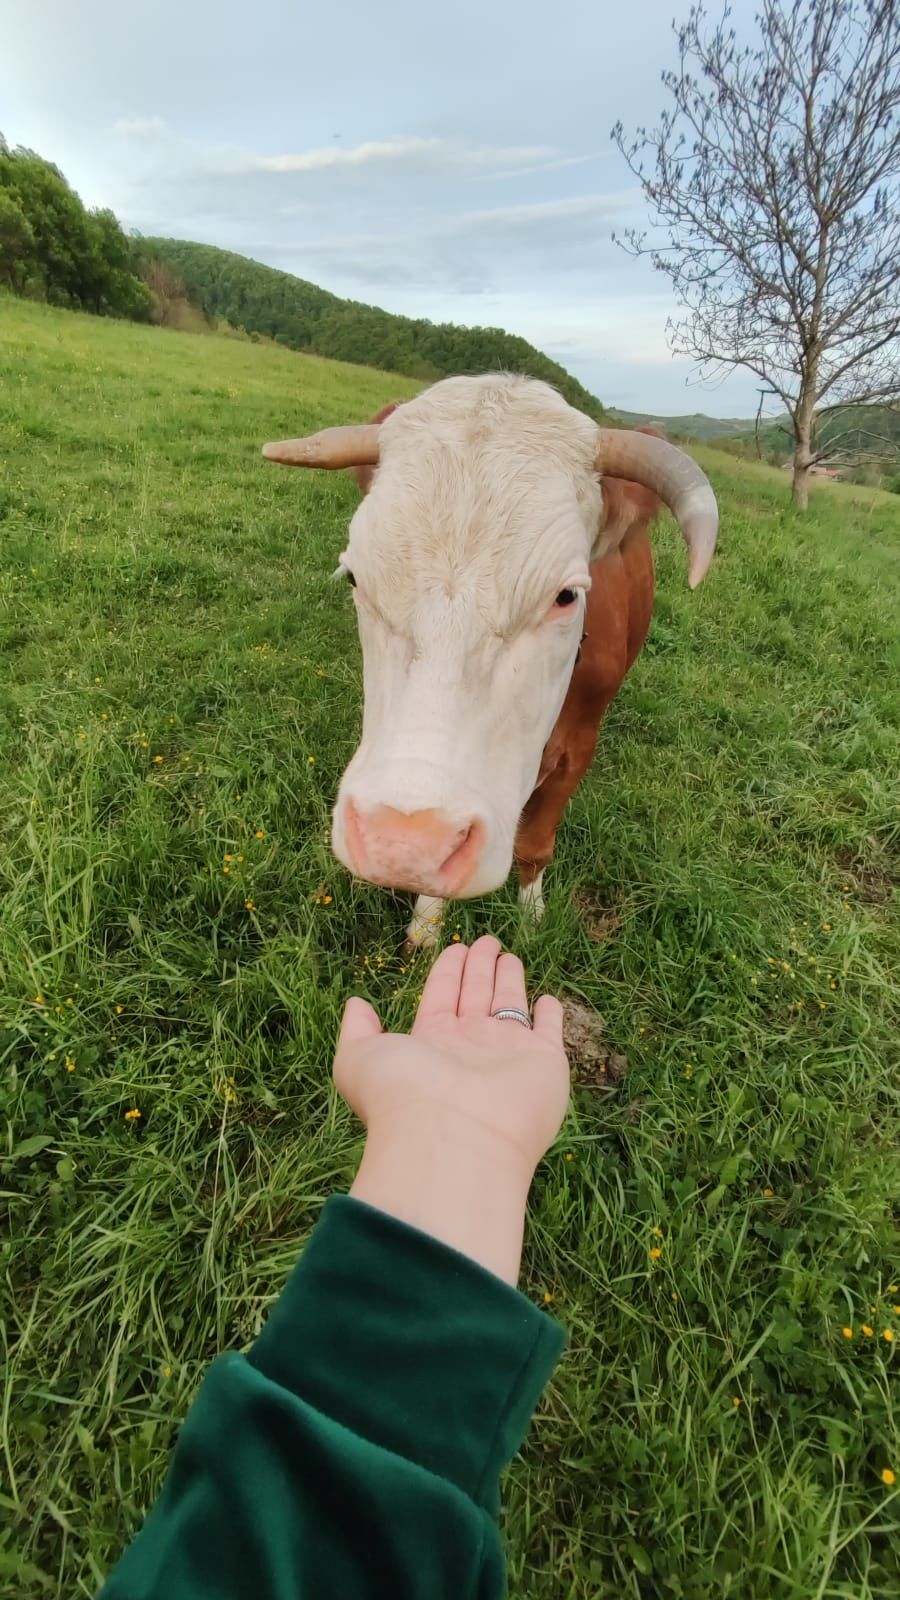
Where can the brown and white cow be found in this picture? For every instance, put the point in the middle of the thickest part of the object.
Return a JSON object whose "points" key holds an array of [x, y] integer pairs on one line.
{"points": [[503, 581]]}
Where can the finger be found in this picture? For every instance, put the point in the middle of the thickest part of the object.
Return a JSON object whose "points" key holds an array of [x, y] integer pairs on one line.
{"points": [[440, 995], [509, 984], [548, 1020], [360, 1021], [477, 987]]}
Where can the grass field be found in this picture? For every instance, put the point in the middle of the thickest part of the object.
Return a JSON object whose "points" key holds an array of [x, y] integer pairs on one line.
{"points": [[180, 690]]}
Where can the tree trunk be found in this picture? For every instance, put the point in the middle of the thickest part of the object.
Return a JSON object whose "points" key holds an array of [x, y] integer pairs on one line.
{"points": [[800, 484], [803, 452]]}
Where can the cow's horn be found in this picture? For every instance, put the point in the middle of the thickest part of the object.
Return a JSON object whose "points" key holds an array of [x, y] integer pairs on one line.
{"points": [[676, 478], [333, 447]]}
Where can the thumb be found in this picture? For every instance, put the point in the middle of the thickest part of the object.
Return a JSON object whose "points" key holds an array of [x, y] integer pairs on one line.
{"points": [[360, 1021]]}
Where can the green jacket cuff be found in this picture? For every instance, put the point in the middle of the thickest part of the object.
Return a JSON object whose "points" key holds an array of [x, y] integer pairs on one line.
{"points": [[410, 1345]]}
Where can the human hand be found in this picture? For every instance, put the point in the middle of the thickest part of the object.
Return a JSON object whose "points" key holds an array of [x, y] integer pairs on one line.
{"points": [[460, 1111]]}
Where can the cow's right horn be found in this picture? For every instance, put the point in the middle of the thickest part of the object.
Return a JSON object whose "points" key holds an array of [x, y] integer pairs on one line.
{"points": [[332, 448], [676, 478]]}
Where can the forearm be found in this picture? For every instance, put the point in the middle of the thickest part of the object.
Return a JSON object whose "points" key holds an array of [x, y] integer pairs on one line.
{"points": [[357, 1449], [453, 1179]]}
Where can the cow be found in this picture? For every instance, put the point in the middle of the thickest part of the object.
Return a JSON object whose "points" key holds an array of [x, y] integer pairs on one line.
{"points": [[502, 573]]}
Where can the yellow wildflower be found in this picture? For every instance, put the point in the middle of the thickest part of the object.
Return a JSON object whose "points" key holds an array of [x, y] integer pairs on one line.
{"points": [[70, 1065], [657, 1233], [888, 1477], [547, 1297], [248, 905], [311, 760], [888, 1334], [655, 1253], [847, 1332], [769, 1193], [569, 1156], [229, 858], [259, 834], [119, 1010], [159, 758], [132, 1115], [736, 1400], [869, 1332]]}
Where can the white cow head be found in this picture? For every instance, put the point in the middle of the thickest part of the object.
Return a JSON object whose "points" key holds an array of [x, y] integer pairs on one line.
{"points": [[470, 561]]}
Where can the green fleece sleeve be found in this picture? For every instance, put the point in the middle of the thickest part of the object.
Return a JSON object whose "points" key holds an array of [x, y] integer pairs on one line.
{"points": [[356, 1450]]}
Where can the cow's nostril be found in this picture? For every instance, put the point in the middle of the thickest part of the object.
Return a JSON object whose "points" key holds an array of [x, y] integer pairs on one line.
{"points": [[462, 858], [422, 850]]}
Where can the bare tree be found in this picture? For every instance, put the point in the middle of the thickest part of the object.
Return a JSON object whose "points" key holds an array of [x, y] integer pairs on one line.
{"points": [[774, 179], [167, 290]]}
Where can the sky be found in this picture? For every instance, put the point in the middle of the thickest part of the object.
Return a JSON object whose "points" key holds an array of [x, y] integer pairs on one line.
{"points": [[448, 161]]}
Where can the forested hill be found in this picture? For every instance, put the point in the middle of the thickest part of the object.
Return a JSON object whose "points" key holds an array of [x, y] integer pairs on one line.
{"points": [[299, 314]]}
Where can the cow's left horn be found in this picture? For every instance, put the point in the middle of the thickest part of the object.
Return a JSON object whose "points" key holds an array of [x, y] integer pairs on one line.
{"points": [[676, 478], [333, 447]]}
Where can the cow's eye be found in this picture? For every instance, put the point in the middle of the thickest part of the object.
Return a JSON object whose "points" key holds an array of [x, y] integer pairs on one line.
{"points": [[350, 578], [566, 597]]}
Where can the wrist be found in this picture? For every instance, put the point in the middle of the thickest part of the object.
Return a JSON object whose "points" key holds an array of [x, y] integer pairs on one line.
{"points": [[452, 1177]]}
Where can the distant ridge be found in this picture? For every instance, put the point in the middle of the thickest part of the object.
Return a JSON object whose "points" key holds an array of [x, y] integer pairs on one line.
{"points": [[695, 426], [263, 300]]}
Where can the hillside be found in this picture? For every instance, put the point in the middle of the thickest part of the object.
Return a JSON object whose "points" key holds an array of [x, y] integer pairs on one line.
{"points": [[856, 431], [693, 426], [304, 317]]}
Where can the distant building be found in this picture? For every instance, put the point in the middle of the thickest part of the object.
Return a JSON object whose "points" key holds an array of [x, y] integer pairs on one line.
{"points": [[820, 470]]}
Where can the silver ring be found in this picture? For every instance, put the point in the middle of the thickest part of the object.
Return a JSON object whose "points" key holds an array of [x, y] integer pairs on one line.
{"points": [[512, 1014]]}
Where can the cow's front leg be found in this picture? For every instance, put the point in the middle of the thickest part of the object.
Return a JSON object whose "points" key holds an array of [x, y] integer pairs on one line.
{"points": [[424, 930], [531, 898], [536, 836]]}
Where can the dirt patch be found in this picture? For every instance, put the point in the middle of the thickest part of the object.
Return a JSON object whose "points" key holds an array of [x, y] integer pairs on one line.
{"points": [[600, 921], [870, 880], [593, 1063]]}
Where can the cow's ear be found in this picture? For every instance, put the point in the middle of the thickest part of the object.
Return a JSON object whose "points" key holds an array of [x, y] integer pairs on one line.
{"points": [[626, 506], [364, 475]]}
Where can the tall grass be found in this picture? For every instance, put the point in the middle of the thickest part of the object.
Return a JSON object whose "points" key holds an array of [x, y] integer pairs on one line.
{"points": [[181, 689]]}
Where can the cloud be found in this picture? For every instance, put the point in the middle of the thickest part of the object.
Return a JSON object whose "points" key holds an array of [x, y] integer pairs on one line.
{"points": [[140, 127], [543, 212], [399, 156], [408, 153], [553, 166]]}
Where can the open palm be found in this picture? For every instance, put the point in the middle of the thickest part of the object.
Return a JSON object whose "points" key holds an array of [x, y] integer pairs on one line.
{"points": [[459, 1061]]}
